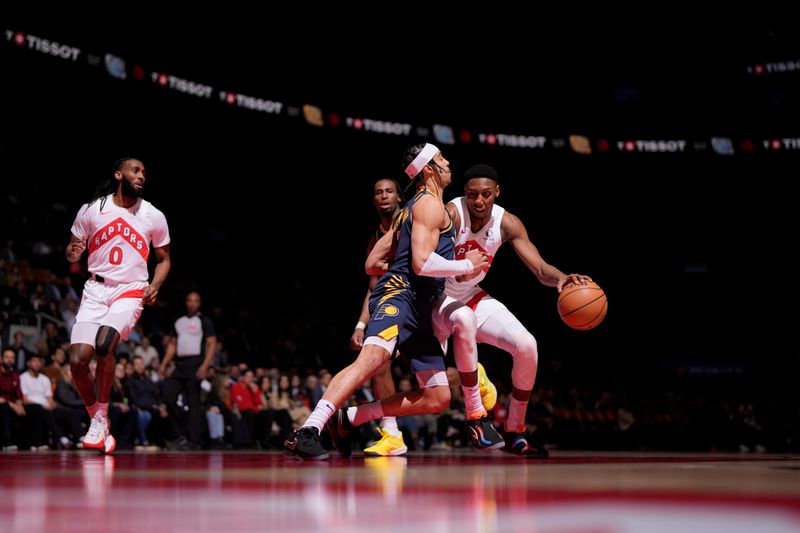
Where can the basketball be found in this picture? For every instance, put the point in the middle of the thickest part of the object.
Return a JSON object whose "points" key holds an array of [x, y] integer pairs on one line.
{"points": [[582, 306]]}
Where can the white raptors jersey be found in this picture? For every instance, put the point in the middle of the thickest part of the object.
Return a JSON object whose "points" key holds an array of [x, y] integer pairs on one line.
{"points": [[118, 238], [487, 239]]}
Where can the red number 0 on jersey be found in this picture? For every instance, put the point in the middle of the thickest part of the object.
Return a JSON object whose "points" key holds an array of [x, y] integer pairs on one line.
{"points": [[115, 255]]}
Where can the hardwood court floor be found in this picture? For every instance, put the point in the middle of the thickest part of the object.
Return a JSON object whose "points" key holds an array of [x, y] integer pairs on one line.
{"points": [[464, 492]]}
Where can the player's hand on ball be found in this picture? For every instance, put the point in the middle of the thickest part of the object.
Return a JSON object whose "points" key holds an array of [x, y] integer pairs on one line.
{"points": [[572, 279]]}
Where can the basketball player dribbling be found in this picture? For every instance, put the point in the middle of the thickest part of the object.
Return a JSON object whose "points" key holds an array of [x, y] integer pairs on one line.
{"points": [[118, 226], [468, 313]]}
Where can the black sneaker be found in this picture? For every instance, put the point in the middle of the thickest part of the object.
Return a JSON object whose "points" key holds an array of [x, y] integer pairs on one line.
{"points": [[339, 427], [484, 434], [520, 444], [303, 443]]}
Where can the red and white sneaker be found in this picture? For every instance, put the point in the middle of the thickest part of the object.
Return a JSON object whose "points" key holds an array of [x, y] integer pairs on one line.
{"points": [[97, 434], [109, 444]]}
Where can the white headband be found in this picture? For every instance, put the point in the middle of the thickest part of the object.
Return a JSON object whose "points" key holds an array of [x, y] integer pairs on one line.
{"points": [[422, 159]]}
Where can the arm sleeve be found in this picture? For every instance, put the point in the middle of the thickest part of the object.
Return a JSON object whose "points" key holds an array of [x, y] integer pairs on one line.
{"points": [[437, 266]]}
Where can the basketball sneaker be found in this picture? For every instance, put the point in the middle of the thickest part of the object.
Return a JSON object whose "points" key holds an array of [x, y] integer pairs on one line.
{"points": [[520, 443], [339, 427], [98, 431], [109, 444], [388, 445], [304, 443], [484, 434], [487, 389]]}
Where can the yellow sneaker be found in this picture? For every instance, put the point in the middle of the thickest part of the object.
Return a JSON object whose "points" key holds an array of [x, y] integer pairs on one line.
{"points": [[388, 445], [487, 388]]}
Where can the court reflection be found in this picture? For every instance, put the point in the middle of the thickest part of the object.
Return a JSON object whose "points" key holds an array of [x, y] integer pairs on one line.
{"points": [[97, 473], [389, 473]]}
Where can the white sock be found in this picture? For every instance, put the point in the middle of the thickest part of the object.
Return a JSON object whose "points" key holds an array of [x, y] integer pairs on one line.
{"points": [[364, 413], [322, 413], [102, 409], [389, 424], [472, 402], [516, 416]]}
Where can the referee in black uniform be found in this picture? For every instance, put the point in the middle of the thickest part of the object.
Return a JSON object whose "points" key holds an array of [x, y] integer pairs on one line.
{"points": [[194, 341]]}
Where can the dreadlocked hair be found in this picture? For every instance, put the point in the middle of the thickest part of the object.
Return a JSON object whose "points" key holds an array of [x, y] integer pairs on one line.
{"points": [[109, 186]]}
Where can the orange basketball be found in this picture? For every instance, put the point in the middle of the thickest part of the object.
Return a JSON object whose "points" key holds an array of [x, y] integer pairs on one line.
{"points": [[582, 306]]}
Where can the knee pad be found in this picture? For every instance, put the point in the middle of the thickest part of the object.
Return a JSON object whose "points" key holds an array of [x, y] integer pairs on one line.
{"points": [[526, 360], [106, 340]]}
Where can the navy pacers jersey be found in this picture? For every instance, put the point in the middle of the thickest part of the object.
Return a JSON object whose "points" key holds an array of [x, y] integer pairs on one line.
{"points": [[401, 305]]}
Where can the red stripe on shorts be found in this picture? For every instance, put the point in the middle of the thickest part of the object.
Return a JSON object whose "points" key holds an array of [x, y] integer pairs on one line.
{"points": [[136, 293], [473, 302]]}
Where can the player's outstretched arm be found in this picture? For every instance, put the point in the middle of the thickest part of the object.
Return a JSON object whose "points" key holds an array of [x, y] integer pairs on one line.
{"points": [[514, 231]]}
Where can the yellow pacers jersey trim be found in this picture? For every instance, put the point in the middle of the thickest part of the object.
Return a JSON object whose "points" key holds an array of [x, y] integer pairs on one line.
{"points": [[389, 294], [389, 333], [398, 222], [396, 285], [404, 215], [449, 226]]}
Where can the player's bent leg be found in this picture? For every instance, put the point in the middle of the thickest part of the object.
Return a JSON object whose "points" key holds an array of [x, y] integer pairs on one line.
{"points": [[99, 428], [382, 382], [465, 347], [105, 346], [366, 365], [81, 353], [526, 360], [503, 330], [432, 397], [391, 442], [304, 442]]}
